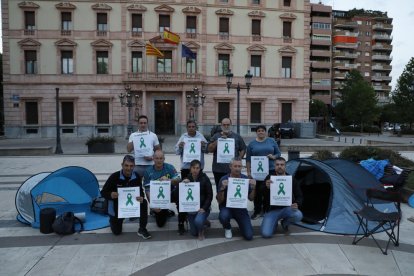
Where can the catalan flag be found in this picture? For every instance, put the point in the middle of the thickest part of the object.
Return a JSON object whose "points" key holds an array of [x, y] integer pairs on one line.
{"points": [[152, 51], [170, 37]]}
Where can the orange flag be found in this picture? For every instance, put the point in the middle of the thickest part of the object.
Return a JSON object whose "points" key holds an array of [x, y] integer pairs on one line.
{"points": [[170, 37], [152, 51]]}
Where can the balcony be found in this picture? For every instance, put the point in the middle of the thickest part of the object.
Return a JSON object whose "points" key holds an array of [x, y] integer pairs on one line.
{"points": [[320, 64], [345, 24], [345, 33], [344, 66], [384, 37], [65, 32], [381, 78], [382, 57], [344, 55], [340, 76], [345, 45], [224, 36], [382, 26], [136, 33], [29, 31], [378, 67], [321, 76], [319, 86], [101, 33], [287, 39], [386, 88], [191, 35], [321, 53], [382, 47], [153, 77]]}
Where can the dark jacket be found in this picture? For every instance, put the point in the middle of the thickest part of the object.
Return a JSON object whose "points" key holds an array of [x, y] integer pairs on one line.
{"points": [[115, 181], [297, 196], [206, 191]]}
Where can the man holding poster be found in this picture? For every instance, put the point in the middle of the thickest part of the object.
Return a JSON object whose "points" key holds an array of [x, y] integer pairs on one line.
{"points": [[143, 142], [237, 194], [287, 209], [225, 145], [125, 179]]}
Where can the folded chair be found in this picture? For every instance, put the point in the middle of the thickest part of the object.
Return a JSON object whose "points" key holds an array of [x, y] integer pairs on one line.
{"points": [[372, 220]]}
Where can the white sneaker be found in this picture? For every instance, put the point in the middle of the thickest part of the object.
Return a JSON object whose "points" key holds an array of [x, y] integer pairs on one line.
{"points": [[228, 234]]}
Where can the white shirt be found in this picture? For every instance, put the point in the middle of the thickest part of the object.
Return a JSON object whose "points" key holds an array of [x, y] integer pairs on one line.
{"points": [[154, 141]]}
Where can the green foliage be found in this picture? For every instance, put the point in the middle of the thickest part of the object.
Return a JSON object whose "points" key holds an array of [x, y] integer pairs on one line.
{"points": [[322, 155], [389, 113], [317, 108], [409, 183], [100, 139], [358, 153], [362, 12], [366, 129], [403, 95], [358, 101]]}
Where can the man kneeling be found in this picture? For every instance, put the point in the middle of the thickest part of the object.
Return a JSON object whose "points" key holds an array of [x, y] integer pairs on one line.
{"points": [[126, 177]]}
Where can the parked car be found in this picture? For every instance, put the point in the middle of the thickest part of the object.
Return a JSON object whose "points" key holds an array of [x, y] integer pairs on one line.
{"points": [[287, 129]]}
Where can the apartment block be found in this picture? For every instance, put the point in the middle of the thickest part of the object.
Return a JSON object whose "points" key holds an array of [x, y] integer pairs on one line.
{"points": [[95, 51]]}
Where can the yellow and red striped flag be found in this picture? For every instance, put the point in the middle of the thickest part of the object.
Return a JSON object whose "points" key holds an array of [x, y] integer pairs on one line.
{"points": [[152, 51], [170, 37]]}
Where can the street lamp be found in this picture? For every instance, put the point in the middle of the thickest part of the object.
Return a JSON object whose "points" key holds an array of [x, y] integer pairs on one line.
{"points": [[128, 100], [195, 99], [248, 80]]}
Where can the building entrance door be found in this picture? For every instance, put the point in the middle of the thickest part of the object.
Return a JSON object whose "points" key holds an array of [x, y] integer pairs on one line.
{"points": [[286, 112], [164, 116]]}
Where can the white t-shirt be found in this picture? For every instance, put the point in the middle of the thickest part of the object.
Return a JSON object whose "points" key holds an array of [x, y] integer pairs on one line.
{"points": [[151, 138]]}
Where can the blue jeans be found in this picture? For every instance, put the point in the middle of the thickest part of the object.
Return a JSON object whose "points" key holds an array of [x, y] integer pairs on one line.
{"points": [[271, 218], [196, 221], [242, 218]]}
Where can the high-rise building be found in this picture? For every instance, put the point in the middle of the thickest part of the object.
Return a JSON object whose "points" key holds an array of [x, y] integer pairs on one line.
{"points": [[95, 50]]}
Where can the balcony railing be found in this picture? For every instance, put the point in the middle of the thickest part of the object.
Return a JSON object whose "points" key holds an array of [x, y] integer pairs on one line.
{"points": [[381, 26], [381, 37], [65, 32], [29, 32], [381, 78], [224, 36], [101, 33], [191, 35], [344, 55], [257, 37], [136, 33], [382, 47], [381, 57], [382, 67], [382, 88], [163, 77]]}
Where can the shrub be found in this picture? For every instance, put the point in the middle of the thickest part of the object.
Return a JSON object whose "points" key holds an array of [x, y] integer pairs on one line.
{"points": [[409, 182], [100, 139], [358, 153], [322, 155]]}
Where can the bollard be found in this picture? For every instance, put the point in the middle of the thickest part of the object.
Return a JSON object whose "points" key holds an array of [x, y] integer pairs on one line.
{"points": [[360, 141], [345, 139], [352, 140]]}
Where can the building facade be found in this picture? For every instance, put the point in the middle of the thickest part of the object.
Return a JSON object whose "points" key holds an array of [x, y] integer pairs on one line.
{"points": [[93, 51]]}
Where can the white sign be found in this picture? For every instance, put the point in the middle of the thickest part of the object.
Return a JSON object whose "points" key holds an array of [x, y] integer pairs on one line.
{"points": [[225, 150], [160, 194], [189, 197], [128, 205], [259, 167], [237, 192], [192, 149], [281, 190], [142, 145]]}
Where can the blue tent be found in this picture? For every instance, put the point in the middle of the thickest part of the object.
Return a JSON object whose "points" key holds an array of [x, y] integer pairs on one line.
{"points": [[332, 190], [67, 189]]}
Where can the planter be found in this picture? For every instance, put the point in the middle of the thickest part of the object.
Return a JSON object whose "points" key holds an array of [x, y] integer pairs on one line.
{"points": [[101, 147]]}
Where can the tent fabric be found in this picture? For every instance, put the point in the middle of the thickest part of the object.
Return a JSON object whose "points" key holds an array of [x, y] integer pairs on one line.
{"points": [[67, 189], [332, 190]]}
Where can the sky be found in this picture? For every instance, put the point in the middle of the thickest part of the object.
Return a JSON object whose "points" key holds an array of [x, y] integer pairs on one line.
{"points": [[402, 12]]}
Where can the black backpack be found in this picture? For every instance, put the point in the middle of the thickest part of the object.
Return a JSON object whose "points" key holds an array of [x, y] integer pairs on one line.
{"points": [[100, 205], [65, 224]]}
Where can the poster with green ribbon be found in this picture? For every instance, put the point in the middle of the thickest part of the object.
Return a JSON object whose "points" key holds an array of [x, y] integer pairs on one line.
{"points": [[192, 149], [259, 167], [281, 190], [142, 144], [160, 194], [189, 195], [225, 150], [237, 193], [128, 205]]}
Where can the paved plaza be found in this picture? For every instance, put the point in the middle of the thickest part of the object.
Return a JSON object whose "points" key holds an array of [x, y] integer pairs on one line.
{"points": [[25, 251]]}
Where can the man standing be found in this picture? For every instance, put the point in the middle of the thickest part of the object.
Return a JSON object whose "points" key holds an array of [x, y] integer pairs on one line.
{"points": [[126, 177], [287, 214], [193, 134], [143, 142], [240, 215], [161, 171], [221, 169]]}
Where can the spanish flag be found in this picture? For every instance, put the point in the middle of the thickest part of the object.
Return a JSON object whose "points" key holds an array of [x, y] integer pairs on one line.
{"points": [[152, 51], [170, 37]]}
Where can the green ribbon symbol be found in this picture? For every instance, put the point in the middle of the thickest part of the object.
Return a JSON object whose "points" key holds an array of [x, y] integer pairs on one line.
{"points": [[192, 149], [189, 194], [238, 189], [129, 200], [226, 148], [260, 168], [142, 143], [161, 192], [281, 191]]}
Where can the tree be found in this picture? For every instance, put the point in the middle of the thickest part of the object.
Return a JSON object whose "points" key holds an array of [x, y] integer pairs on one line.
{"points": [[403, 95], [317, 108], [358, 100]]}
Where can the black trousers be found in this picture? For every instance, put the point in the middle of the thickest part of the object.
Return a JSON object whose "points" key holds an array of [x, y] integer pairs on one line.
{"points": [[262, 196], [116, 223], [175, 197], [217, 177]]}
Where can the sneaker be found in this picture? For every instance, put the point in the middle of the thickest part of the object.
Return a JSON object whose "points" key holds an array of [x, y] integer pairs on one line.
{"points": [[285, 225], [255, 216], [181, 229], [143, 233], [228, 234]]}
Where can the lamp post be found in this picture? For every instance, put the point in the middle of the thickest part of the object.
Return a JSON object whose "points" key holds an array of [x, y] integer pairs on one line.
{"points": [[248, 80], [128, 100], [58, 149], [195, 99]]}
